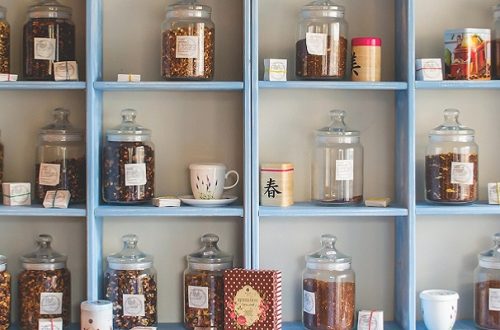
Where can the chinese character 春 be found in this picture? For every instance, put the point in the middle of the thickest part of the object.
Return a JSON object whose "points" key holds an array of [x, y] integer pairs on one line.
{"points": [[271, 188]]}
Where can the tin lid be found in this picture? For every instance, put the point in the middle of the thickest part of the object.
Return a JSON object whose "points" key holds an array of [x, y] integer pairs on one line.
{"points": [[366, 41], [49, 9], [130, 257], [452, 127], [128, 130], [210, 257], [328, 257], [322, 8], [3, 12], [439, 295], [491, 258], [60, 130], [276, 167], [96, 305], [44, 258], [187, 9], [3, 263]]}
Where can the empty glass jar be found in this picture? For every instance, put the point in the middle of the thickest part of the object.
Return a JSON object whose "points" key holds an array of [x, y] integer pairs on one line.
{"points": [[5, 296], [4, 41]]}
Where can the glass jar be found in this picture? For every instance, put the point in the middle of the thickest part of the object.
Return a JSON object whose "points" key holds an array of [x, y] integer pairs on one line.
{"points": [[44, 286], [495, 44], [204, 286], [338, 164], [60, 163], [49, 36], [321, 49], [487, 288], [4, 41], [129, 163], [5, 295], [1, 161], [188, 42], [130, 284], [328, 288], [451, 163]]}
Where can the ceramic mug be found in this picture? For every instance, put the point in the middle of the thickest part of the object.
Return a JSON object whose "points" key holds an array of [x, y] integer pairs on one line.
{"points": [[207, 180], [439, 308]]}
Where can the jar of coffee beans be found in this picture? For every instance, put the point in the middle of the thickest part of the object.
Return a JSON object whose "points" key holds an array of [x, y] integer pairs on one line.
{"points": [[4, 42], [5, 295]]}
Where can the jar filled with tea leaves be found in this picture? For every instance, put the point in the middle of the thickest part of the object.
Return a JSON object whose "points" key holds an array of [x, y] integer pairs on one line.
{"points": [[5, 295], [4, 41]]}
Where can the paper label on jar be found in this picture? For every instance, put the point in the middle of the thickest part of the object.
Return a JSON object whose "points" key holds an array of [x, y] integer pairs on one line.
{"points": [[344, 170], [45, 49], [309, 302], [494, 299], [135, 174], [51, 303], [49, 174], [198, 296], [187, 46], [134, 305], [462, 173], [316, 43]]}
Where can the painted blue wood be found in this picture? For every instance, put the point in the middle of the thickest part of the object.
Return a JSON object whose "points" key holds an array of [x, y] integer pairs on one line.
{"points": [[480, 208], [308, 209], [42, 85], [38, 210], [153, 211], [388, 325], [459, 325], [169, 86], [354, 85], [458, 84]]}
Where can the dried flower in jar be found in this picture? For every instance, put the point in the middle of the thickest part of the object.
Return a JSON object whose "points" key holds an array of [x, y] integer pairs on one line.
{"points": [[4, 47], [484, 317], [332, 65], [5, 299]]}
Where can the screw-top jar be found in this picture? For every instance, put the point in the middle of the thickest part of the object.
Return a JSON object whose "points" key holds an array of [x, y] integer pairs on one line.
{"points": [[4, 41], [451, 162], [129, 163], [5, 295], [328, 288], [338, 164], [188, 42], [130, 284], [204, 286], [495, 44], [44, 286], [321, 49]]}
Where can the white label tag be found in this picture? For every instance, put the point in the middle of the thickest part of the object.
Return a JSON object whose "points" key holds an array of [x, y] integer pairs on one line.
{"points": [[187, 47], [49, 174], [50, 324], [316, 43], [309, 302], [65, 70], [51, 303], [344, 170], [462, 173], [135, 174], [494, 299], [133, 305], [198, 296], [45, 49]]}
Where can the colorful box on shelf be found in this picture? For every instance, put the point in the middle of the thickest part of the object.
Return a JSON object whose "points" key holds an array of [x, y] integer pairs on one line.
{"points": [[494, 193], [275, 69], [16, 193], [371, 320], [129, 77], [50, 324], [66, 71], [57, 199], [8, 77], [429, 69], [276, 184]]}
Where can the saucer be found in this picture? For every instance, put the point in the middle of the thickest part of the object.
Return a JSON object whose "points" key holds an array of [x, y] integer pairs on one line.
{"points": [[190, 200]]}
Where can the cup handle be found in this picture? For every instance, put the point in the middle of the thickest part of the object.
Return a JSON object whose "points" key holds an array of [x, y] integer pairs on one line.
{"points": [[237, 179]]}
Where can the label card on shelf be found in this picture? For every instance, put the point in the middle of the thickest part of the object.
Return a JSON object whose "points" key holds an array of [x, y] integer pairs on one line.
{"points": [[66, 71], [57, 199], [128, 77], [16, 194]]}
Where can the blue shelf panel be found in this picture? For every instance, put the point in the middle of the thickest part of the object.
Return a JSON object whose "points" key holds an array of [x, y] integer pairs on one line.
{"points": [[388, 325], [458, 84], [169, 86], [353, 85], [153, 211], [38, 210], [308, 209], [480, 208], [459, 325], [42, 85]]}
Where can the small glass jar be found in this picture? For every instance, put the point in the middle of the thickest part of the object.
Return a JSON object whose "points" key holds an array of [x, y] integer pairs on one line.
{"points": [[188, 42], [321, 49], [4, 41], [338, 164], [129, 163], [60, 163], [49, 36], [328, 289], [130, 284], [204, 286], [495, 44], [44, 286], [451, 163], [5, 295], [487, 288]]}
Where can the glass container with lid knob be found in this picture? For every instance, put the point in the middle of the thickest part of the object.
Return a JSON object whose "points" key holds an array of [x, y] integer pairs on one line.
{"points": [[4, 41], [5, 295], [451, 163], [204, 285], [129, 163], [44, 285], [130, 284], [495, 43], [328, 288], [338, 164]]}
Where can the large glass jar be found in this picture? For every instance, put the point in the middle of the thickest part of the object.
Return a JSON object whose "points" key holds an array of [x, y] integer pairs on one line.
{"points": [[495, 44], [487, 288], [338, 164], [49, 36], [321, 49], [44, 286], [188, 42], [129, 164], [204, 286], [451, 163], [5, 295], [328, 288], [130, 284], [4, 41], [60, 163]]}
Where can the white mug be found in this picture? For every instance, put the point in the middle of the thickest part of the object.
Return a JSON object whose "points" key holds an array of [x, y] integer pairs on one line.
{"points": [[439, 308], [208, 180]]}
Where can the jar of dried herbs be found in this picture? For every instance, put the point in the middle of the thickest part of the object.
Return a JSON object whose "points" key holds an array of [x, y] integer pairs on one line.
{"points": [[204, 286], [321, 49], [4, 42], [328, 289], [48, 37], [129, 163], [44, 286], [451, 163], [5, 295], [130, 284], [188, 42]]}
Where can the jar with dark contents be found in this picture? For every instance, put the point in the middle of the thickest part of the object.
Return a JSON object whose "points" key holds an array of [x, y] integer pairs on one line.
{"points": [[128, 171], [5, 295], [1, 161], [204, 286], [328, 289], [130, 284], [60, 161], [451, 163], [4, 41], [321, 49], [188, 42], [48, 37], [44, 286]]}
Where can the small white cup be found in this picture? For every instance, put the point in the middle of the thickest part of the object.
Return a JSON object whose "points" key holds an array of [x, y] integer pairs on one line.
{"points": [[207, 180], [439, 308]]}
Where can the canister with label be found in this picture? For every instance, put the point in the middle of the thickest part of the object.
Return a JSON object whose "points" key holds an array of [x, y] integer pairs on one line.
{"points": [[276, 184], [366, 59], [97, 314]]}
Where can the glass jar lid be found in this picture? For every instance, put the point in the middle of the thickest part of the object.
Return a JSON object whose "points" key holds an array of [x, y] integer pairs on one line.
{"points": [[452, 128], [130, 257], [491, 258], [3, 12], [129, 130], [210, 257], [187, 9], [44, 258], [328, 257], [337, 131], [61, 130], [49, 9], [3, 263], [322, 8]]}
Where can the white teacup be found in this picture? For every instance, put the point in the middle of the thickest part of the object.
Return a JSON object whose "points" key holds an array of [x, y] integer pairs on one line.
{"points": [[208, 180], [439, 308]]}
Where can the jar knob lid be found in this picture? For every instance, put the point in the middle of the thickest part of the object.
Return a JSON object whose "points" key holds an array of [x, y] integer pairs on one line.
{"points": [[451, 117], [328, 240], [44, 240], [130, 241], [128, 115], [210, 239]]}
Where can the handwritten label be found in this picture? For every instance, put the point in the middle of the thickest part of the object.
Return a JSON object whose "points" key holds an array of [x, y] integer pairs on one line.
{"points": [[45, 49], [462, 173], [133, 305], [187, 46], [316, 43], [49, 174], [51, 303], [135, 174], [494, 300], [344, 170], [198, 296], [309, 302]]}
